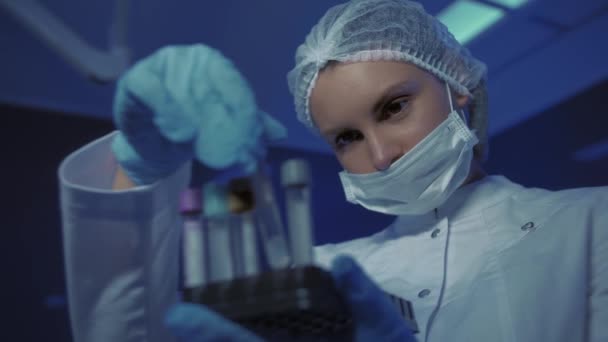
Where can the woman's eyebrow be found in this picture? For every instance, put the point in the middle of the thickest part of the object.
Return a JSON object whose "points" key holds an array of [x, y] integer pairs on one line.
{"points": [[401, 86]]}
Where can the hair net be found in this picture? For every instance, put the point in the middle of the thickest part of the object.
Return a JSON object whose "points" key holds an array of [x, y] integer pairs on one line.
{"points": [[389, 30]]}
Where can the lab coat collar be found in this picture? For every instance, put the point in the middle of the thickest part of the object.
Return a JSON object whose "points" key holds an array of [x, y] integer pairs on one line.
{"points": [[468, 200], [475, 197]]}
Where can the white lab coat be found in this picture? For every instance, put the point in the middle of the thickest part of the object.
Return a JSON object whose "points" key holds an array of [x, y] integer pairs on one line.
{"points": [[497, 262]]}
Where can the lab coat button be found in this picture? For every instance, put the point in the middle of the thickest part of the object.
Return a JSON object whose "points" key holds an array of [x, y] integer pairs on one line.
{"points": [[424, 293], [527, 226], [435, 233]]}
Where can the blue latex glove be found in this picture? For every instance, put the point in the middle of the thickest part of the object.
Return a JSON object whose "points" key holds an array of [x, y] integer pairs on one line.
{"points": [[184, 102], [194, 323], [375, 317]]}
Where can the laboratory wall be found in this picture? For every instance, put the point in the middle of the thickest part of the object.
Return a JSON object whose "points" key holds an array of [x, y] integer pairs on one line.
{"points": [[559, 148]]}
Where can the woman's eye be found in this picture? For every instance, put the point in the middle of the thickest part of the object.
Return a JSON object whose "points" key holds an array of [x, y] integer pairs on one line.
{"points": [[345, 138], [393, 109]]}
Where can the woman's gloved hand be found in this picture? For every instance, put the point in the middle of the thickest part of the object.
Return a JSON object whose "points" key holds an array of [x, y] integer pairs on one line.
{"points": [[185, 102], [375, 317]]}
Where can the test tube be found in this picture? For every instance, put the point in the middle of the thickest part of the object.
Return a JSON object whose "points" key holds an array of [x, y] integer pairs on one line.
{"points": [[193, 239], [251, 262], [217, 217], [243, 233], [295, 179], [269, 223]]}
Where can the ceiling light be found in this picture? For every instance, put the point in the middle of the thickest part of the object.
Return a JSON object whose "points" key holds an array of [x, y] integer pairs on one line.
{"points": [[466, 19], [512, 4]]}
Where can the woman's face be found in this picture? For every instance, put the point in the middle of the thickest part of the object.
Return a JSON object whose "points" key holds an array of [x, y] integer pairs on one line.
{"points": [[372, 113]]}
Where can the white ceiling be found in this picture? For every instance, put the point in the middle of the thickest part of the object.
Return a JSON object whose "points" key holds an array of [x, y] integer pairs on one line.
{"points": [[537, 56]]}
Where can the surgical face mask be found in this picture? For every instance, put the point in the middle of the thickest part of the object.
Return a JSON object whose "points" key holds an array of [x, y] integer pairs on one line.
{"points": [[423, 178]]}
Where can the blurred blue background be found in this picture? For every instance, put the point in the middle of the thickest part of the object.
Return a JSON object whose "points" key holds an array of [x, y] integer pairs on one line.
{"points": [[548, 89]]}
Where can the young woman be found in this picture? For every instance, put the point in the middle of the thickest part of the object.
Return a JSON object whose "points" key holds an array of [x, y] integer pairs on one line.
{"points": [[403, 106]]}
